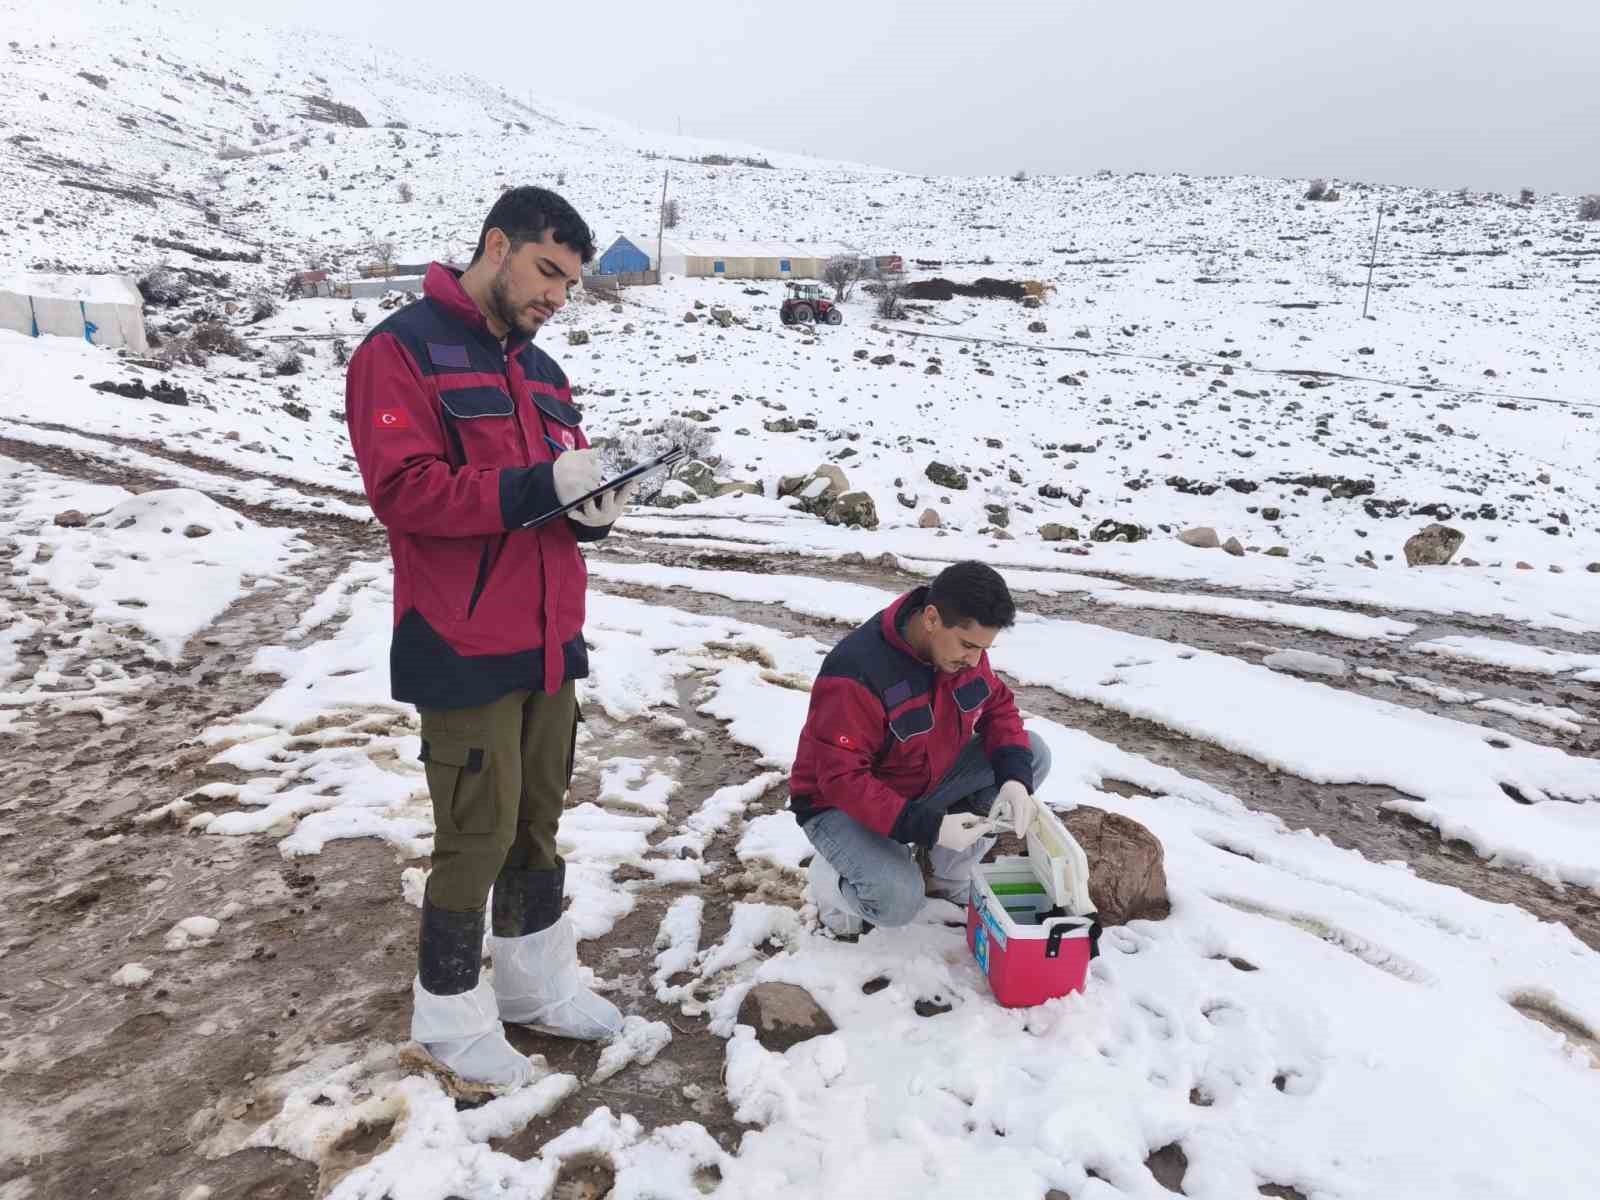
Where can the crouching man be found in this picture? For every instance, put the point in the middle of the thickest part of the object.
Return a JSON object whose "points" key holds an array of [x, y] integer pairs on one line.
{"points": [[469, 447], [912, 741]]}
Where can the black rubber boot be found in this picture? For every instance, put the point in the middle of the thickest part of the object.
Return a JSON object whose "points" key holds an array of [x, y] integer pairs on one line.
{"points": [[449, 949], [527, 901]]}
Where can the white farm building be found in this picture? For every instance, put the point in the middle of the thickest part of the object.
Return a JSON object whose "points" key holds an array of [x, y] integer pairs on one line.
{"points": [[704, 257]]}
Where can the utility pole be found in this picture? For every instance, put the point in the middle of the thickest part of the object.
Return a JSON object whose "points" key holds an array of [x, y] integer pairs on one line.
{"points": [[1372, 261], [661, 220]]}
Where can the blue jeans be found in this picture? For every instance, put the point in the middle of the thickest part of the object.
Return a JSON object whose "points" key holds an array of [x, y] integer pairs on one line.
{"points": [[878, 877]]}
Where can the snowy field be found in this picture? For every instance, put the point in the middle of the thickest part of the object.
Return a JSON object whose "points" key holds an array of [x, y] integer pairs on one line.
{"points": [[1376, 786]]}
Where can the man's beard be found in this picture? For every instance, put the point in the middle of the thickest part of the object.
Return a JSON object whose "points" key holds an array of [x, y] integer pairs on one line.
{"points": [[508, 314]]}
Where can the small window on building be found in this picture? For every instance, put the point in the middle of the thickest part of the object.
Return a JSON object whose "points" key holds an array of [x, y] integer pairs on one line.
{"points": [[783, 264], [719, 267]]}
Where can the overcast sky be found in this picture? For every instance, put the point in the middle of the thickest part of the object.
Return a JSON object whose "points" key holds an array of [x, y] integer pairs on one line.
{"points": [[1441, 93]]}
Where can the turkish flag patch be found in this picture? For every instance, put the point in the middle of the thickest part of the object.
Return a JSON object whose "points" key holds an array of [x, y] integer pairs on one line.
{"points": [[844, 740], [391, 418]]}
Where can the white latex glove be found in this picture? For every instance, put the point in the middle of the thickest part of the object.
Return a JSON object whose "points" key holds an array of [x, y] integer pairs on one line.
{"points": [[605, 508], [959, 830], [1013, 806], [576, 473]]}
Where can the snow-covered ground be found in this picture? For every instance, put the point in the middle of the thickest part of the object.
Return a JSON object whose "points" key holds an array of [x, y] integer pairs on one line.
{"points": [[1376, 785]]}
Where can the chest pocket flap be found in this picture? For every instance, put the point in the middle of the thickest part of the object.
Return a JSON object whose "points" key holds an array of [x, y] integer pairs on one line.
{"points": [[470, 403], [914, 722], [972, 694]]}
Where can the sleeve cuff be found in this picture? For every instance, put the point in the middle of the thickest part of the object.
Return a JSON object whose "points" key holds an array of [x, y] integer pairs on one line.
{"points": [[917, 824], [527, 494], [1013, 763], [589, 533]]}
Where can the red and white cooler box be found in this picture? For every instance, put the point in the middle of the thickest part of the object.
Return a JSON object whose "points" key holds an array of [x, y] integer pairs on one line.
{"points": [[1029, 921]]}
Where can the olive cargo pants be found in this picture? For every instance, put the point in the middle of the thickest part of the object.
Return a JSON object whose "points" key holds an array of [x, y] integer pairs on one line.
{"points": [[498, 777]]}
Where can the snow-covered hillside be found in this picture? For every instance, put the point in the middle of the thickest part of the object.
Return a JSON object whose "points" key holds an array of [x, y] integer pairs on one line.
{"points": [[1376, 786]]}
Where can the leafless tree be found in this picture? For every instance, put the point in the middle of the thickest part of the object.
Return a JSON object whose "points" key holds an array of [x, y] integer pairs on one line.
{"points": [[842, 273], [890, 292], [670, 213], [383, 254], [1318, 189], [406, 194], [1527, 195]]}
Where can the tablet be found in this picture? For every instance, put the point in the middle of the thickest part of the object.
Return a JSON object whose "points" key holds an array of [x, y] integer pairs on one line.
{"points": [[654, 466]]}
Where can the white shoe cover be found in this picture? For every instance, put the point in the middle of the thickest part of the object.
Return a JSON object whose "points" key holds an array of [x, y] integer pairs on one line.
{"points": [[950, 871], [822, 889], [463, 1032], [537, 983]]}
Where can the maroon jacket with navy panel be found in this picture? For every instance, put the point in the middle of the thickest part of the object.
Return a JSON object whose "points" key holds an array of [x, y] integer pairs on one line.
{"points": [[455, 435], [885, 727]]}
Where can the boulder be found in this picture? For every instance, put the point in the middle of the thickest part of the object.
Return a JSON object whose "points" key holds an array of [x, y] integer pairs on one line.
{"points": [[854, 509], [71, 518], [783, 1015], [722, 316], [689, 318], [792, 485], [1201, 537], [781, 425], [700, 477], [1593, 568], [1270, 514], [1030, 302], [1433, 546], [1127, 871], [999, 515], [930, 519], [945, 476], [196, 531], [1113, 530], [1233, 547], [1053, 531], [838, 484], [1278, 552], [739, 488], [883, 360], [577, 337], [1036, 327]]}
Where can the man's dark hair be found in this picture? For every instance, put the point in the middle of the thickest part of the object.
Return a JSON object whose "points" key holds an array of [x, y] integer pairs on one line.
{"points": [[971, 591], [524, 213]]}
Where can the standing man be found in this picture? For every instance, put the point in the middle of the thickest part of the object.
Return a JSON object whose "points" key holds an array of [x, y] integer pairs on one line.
{"points": [[912, 738], [468, 444]]}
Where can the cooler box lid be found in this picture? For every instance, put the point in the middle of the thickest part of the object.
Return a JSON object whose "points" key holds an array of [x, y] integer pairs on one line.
{"points": [[1059, 862]]}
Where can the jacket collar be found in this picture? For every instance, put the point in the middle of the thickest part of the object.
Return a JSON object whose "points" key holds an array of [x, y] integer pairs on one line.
{"points": [[442, 285], [890, 620]]}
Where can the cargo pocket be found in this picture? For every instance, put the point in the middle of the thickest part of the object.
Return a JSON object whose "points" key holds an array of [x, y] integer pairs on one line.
{"points": [[572, 745], [461, 788]]}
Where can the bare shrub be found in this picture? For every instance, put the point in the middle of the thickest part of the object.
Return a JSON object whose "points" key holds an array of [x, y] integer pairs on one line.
{"points": [[180, 350], [262, 306], [322, 170], [1318, 189], [288, 362], [1527, 195], [165, 285], [640, 445], [890, 294], [670, 213], [213, 337], [1589, 208], [842, 273], [341, 352], [1020, 177], [406, 194]]}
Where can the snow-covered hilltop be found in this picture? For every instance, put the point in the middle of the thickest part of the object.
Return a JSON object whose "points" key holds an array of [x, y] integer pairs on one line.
{"points": [[1148, 390]]}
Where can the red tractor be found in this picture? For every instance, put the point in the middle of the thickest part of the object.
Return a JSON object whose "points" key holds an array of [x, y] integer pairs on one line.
{"points": [[806, 304]]}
